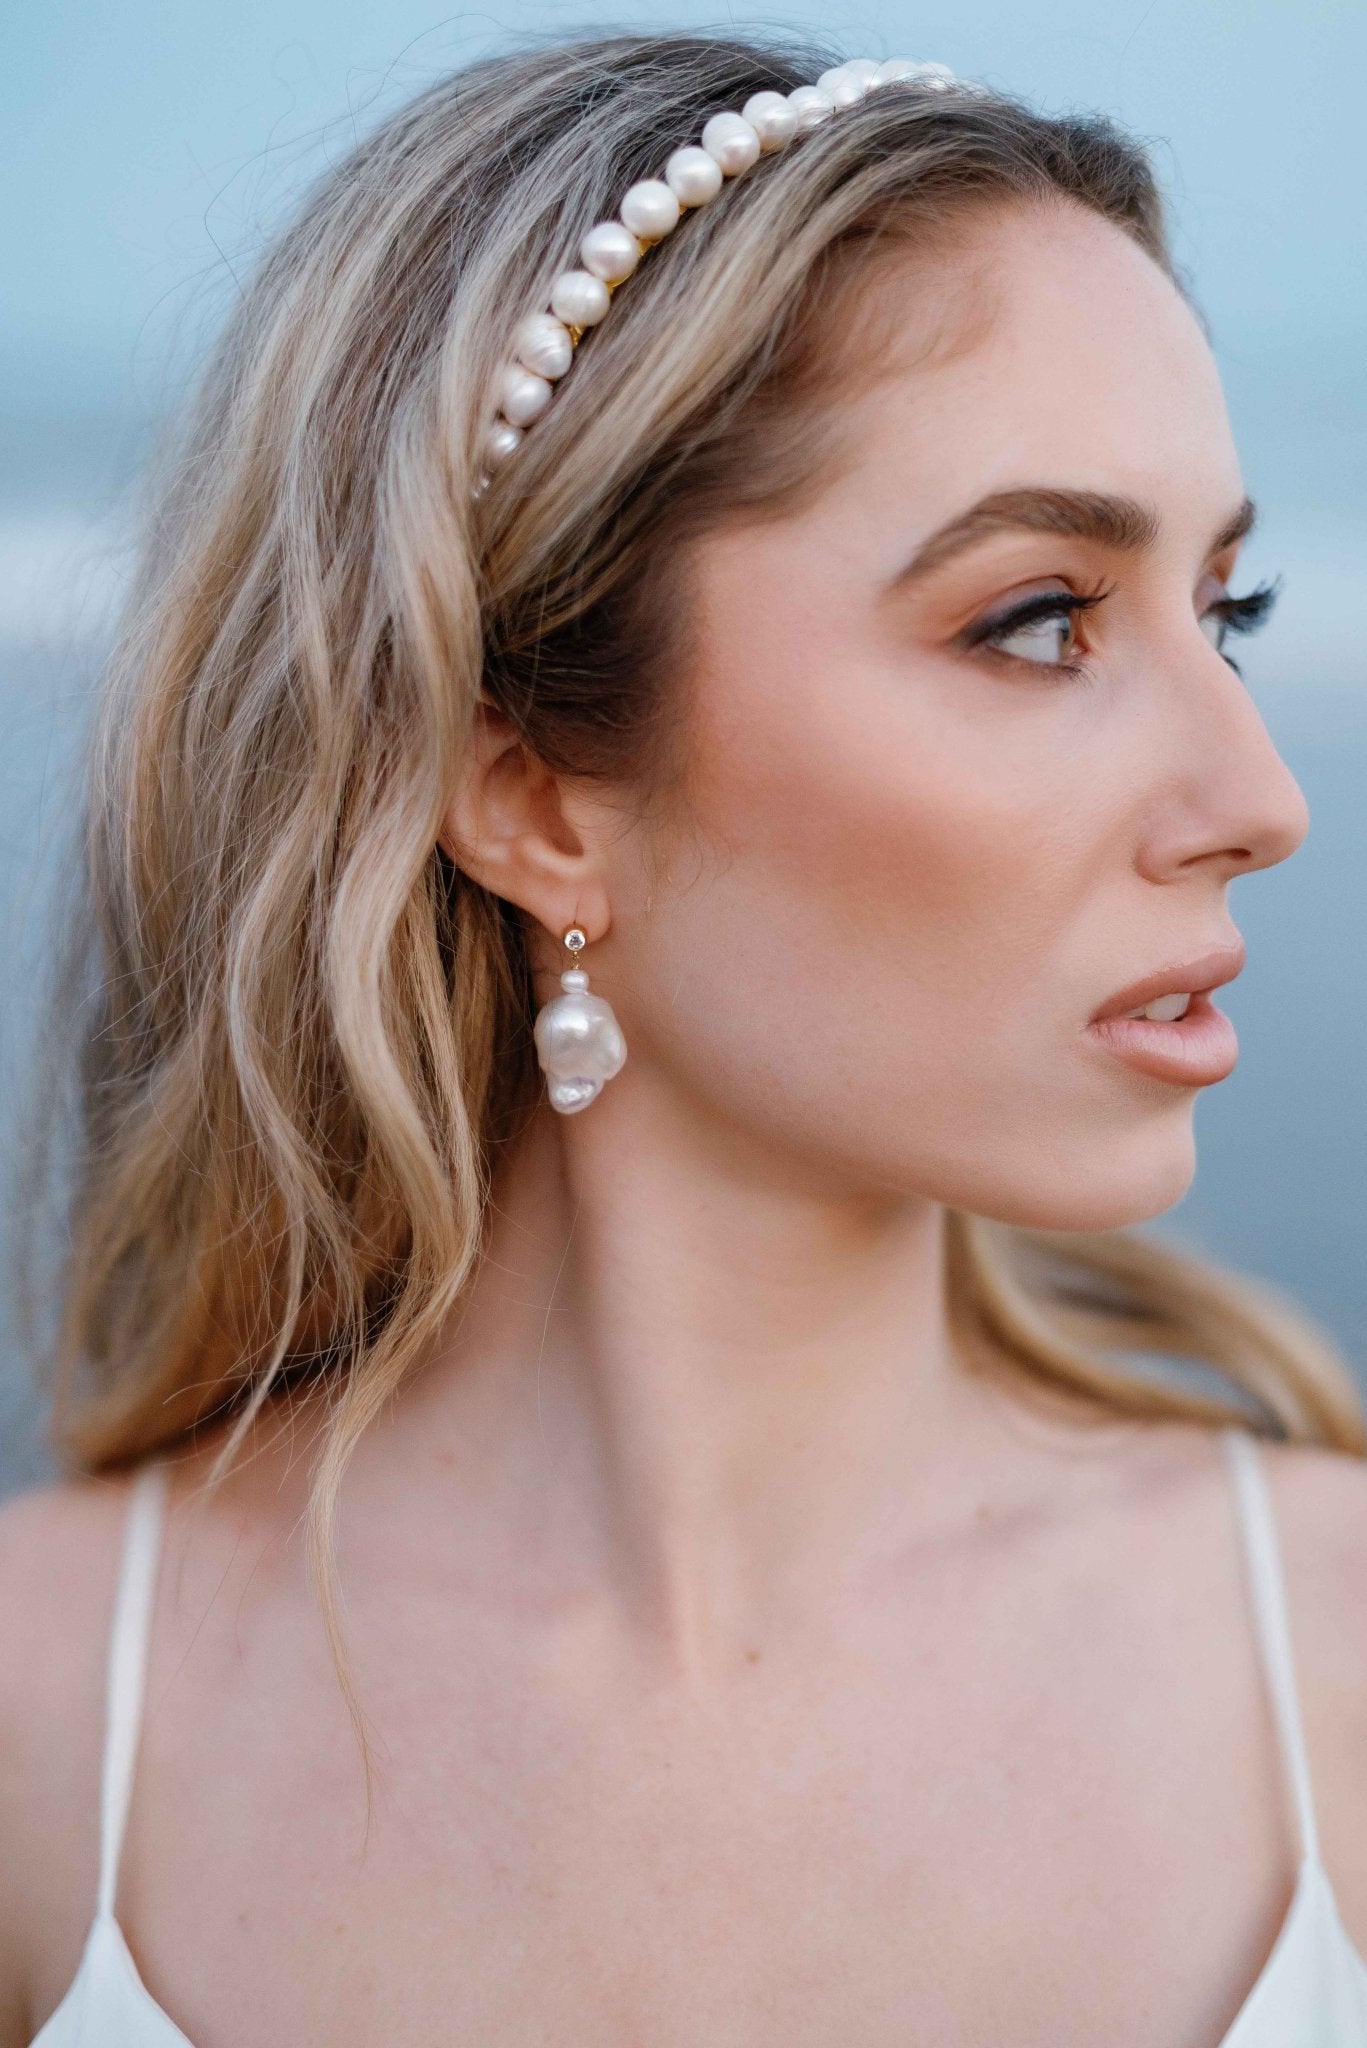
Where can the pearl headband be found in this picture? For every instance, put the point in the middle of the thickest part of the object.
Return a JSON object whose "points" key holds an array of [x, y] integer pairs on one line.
{"points": [[545, 341]]}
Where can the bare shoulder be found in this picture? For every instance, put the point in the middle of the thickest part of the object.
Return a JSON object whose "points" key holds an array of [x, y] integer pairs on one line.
{"points": [[1319, 1505], [1318, 1498], [58, 1562], [1176, 1487], [61, 1548]]}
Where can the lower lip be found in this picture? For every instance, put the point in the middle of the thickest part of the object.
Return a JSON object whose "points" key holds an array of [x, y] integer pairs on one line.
{"points": [[1193, 1051]]}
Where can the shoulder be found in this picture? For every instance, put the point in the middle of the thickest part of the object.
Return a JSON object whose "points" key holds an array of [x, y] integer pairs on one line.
{"points": [[1177, 1488], [59, 1547], [1319, 1507], [1175, 1485], [1320, 1487], [58, 1563], [1318, 1499]]}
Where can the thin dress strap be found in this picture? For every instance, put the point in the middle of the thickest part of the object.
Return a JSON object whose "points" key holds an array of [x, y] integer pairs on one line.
{"points": [[1262, 1557], [127, 1667]]}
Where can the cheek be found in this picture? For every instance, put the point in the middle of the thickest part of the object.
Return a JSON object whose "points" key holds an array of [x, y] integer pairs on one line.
{"points": [[888, 834], [867, 934]]}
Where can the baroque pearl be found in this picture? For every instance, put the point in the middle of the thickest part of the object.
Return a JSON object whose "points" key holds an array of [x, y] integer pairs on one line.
{"points": [[610, 251], [579, 298], [693, 175], [579, 1043], [732, 141], [650, 209]]}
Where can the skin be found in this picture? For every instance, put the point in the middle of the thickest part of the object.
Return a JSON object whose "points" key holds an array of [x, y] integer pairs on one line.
{"points": [[743, 1668]]}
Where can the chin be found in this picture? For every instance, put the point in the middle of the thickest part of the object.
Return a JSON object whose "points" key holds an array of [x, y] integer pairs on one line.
{"points": [[1087, 1180], [1104, 1187]]}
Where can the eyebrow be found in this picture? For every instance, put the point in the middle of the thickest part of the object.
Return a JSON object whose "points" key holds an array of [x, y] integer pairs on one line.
{"points": [[1126, 525]]}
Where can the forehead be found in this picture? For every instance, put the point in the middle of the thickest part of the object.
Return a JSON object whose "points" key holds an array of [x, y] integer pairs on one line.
{"points": [[1044, 345]]}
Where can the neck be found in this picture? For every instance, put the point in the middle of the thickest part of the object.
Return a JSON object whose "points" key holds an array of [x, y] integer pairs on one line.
{"points": [[705, 1378]]}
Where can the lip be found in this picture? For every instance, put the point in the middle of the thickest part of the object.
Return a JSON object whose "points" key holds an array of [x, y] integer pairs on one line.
{"points": [[1193, 977], [1191, 1052]]}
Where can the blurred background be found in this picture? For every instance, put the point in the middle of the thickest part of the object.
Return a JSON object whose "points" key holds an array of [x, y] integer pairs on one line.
{"points": [[152, 144]]}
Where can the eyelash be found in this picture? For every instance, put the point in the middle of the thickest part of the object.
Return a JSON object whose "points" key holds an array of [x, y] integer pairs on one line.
{"points": [[1245, 614]]}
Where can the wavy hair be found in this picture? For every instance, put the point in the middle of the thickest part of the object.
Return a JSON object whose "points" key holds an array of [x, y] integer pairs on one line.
{"points": [[303, 1035]]}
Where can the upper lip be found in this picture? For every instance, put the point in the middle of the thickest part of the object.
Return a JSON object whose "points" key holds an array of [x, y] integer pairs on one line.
{"points": [[1210, 970]]}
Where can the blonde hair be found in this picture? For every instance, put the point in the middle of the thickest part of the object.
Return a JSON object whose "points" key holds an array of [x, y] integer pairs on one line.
{"points": [[304, 1033]]}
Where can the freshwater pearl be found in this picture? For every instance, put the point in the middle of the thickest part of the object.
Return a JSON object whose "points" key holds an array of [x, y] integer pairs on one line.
{"points": [[732, 141], [579, 1043], [893, 69], [610, 251], [811, 105], [500, 442], [771, 116], [844, 87], [650, 209], [862, 68], [542, 344], [692, 175], [522, 395], [579, 298]]}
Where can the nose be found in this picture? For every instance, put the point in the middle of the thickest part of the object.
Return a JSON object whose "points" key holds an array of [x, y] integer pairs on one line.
{"points": [[1245, 808]]}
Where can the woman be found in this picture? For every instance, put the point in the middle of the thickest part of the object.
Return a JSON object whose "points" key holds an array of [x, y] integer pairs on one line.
{"points": [[776, 1599]]}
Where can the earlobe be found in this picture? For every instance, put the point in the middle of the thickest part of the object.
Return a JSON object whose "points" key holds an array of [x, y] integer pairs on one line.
{"points": [[509, 826]]}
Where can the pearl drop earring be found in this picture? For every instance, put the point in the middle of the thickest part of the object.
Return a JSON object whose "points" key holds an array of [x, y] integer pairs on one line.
{"points": [[579, 1043]]}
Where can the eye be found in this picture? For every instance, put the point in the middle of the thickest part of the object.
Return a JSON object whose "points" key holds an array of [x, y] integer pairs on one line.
{"points": [[1046, 638], [1041, 631], [1245, 614]]}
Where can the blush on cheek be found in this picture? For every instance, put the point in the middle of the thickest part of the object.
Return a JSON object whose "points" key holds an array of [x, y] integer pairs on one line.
{"points": [[887, 856], [857, 956], [867, 833]]}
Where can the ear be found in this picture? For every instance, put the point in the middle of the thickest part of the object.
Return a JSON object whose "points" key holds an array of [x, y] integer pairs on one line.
{"points": [[523, 832]]}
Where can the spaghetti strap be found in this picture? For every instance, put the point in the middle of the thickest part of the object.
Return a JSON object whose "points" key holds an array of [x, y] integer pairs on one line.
{"points": [[1262, 1558], [127, 1666]]}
